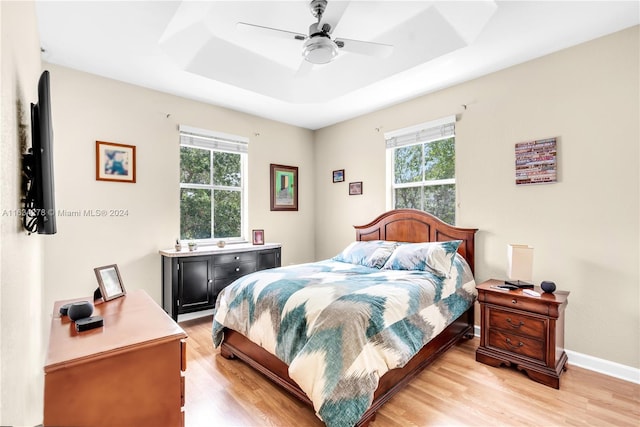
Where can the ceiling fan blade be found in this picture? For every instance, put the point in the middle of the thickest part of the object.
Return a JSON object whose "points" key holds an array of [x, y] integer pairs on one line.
{"points": [[380, 50], [304, 70], [271, 32], [333, 14]]}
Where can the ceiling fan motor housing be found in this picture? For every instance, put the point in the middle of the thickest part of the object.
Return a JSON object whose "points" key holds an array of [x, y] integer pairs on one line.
{"points": [[317, 8], [319, 49]]}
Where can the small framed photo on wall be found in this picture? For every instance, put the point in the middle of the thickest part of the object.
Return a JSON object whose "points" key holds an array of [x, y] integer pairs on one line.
{"points": [[338, 175], [355, 188]]}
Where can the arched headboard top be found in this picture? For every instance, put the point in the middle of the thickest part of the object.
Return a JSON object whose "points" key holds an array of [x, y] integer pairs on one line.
{"points": [[414, 226]]}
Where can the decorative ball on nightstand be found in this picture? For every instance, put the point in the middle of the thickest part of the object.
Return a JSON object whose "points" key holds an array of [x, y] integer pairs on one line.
{"points": [[548, 286], [79, 310]]}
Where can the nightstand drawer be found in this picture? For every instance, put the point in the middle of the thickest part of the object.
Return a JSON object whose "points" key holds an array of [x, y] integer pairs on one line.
{"points": [[519, 302], [517, 323], [518, 344]]}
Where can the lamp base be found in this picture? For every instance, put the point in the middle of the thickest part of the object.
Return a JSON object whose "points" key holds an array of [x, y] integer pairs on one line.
{"points": [[519, 283]]}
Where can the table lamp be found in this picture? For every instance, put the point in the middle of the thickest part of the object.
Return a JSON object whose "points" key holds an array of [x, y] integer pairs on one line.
{"points": [[520, 266]]}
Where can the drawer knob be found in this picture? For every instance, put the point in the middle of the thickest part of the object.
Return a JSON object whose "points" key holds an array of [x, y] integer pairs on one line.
{"points": [[237, 269], [508, 341], [237, 257], [513, 325], [514, 301]]}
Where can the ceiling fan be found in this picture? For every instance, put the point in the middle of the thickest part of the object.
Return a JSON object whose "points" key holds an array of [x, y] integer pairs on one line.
{"points": [[318, 47]]}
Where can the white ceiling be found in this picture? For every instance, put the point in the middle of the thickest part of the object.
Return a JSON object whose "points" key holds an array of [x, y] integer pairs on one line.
{"points": [[194, 49]]}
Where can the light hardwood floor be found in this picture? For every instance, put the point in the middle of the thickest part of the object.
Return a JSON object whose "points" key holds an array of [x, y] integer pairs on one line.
{"points": [[455, 390]]}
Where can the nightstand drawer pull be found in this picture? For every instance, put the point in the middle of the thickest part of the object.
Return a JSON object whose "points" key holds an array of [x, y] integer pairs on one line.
{"points": [[508, 341], [513, 325], [514, 301]]}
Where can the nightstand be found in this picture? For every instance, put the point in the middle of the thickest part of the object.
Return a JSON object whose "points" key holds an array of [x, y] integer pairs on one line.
{"points": [[522, 330]]}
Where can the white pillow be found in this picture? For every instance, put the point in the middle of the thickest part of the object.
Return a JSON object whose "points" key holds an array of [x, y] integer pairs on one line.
{"points": [[372, 253], [436, 257]]}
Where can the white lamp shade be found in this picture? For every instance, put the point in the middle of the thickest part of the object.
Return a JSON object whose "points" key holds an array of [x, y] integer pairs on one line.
{"points": [[520, 262]]}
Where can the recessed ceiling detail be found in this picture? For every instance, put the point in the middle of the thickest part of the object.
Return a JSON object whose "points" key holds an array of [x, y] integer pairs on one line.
{"points": [[196, 50], [274, 66]]}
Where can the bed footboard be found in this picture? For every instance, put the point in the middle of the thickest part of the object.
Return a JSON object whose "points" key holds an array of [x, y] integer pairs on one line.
{"points": [[236, 345]]}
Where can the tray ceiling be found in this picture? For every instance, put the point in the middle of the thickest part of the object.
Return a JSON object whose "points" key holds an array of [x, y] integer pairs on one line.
{"points": [[194, 49]]}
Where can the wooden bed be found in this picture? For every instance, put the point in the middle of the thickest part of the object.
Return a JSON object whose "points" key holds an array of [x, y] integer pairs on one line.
{"points": [[403, 225]]}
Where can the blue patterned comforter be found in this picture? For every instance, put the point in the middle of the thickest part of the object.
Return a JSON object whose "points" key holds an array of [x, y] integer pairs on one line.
{"points": [[339, 326]]}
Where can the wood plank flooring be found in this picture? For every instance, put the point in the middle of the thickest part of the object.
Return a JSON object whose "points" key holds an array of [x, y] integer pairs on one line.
{"points": [[455, 390]]}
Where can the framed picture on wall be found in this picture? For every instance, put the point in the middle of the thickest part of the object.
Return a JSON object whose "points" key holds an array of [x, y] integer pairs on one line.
{"points": [[338, 175], [284, 188], [115, 162], [355, 188], [537, 162]]}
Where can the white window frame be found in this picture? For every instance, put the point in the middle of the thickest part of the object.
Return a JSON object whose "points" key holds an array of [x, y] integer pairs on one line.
{"points": [[424, 133], [221, 142]]}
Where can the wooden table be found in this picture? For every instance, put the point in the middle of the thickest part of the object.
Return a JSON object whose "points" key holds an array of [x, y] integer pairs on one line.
{"points": [[523, 330], [128, 372]]}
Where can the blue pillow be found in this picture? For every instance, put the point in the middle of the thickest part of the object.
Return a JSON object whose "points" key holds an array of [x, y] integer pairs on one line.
{"points": [[372, 253], [436, 257]]}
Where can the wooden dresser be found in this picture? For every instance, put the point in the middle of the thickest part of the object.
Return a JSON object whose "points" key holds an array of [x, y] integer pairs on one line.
{"points": [[523, 330], [130, 372]]}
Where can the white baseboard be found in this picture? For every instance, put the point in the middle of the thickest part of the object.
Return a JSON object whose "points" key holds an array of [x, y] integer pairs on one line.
{"points": [[476, 331], [591, 363], [603, 366], [194, 315]]}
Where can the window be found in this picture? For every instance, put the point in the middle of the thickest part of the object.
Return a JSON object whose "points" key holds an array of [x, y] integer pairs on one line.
{"points": [[212, 185], [421, 168]]}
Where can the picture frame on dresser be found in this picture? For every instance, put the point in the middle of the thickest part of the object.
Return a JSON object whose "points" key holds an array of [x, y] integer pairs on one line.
{"points": [[257, 237], [110, 282]]}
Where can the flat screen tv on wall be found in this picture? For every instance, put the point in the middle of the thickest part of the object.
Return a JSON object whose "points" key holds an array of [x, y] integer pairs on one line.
{"points": [[39, 202]]}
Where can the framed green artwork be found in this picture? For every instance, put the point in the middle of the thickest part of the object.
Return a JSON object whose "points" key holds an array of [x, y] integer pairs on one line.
{"points": [[284, 188]]}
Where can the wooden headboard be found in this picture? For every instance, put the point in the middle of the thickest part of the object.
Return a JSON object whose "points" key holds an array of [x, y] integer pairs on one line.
{"points": [[414, 226]]}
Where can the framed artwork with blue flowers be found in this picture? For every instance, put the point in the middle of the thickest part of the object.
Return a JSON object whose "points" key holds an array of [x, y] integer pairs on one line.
{"points": [[115, 162]]}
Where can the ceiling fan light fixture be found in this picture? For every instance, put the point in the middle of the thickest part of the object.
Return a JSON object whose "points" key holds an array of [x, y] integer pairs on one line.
{"points": [[319, 50]]}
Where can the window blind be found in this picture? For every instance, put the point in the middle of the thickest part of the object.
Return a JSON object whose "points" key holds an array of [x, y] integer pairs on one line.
{"points": [[425, 132], [213, 140]]}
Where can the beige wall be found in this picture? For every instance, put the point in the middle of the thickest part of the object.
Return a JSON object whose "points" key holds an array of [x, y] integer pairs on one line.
{"points": [[87, 108], [21, 316], [585, 228]]}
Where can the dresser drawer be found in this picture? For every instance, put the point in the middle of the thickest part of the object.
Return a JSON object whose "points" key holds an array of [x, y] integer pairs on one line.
{"points": [[517, 323], [518, 302], [235, 258], [518, 344], [233, 269]]}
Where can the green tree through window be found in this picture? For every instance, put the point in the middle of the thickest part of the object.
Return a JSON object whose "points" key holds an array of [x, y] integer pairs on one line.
{"points": [[211, 192], [423, 173]]}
